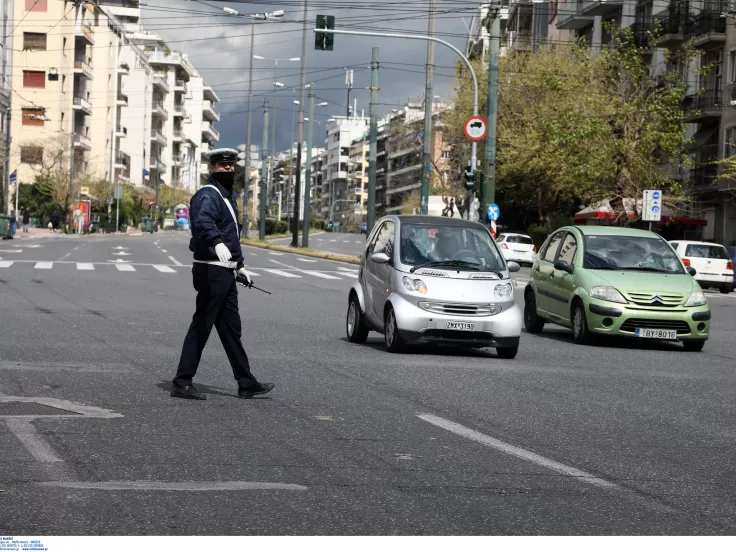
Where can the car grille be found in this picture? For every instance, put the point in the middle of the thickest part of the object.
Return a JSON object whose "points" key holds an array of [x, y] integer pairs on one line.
{"points": [[631, 324], [461, 309], [645, 298], [457, 335]]}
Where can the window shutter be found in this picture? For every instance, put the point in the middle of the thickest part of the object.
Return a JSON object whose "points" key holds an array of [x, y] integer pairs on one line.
{"points": [[34, 79], [37, 5], [34, 41]]}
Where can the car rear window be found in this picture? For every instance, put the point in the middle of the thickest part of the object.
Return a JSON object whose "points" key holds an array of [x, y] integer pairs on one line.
{"points": [[520, 239], [704, 251]]}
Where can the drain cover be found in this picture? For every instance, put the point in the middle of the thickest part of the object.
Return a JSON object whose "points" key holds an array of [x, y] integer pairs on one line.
{"points": [[31, 409]]}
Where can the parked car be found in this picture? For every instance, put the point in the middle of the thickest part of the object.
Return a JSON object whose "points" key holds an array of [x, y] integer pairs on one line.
{"points": [[517, 247], [364, 229], [425, 279], [600, 280], [732, 251], [713, 263]]}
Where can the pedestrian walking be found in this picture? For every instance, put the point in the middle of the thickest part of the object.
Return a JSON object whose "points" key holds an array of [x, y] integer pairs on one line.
{"points": [[13, 221], [54, 221], [26, 219], [215, 244]]}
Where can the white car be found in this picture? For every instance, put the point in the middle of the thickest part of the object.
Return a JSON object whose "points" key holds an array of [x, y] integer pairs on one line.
{"points": [[712, 263], [517, 247]]}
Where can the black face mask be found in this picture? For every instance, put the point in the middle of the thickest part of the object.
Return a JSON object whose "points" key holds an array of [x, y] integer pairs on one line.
{"points": [[225, 179]]}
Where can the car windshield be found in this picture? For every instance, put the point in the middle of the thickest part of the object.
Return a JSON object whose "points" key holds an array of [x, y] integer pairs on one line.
{"points": [[630, 253], [705, 251], [424, 243]]}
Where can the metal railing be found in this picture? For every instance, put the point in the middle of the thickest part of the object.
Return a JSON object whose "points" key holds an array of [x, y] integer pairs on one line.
{"points": [[703, 176], [710, 99], [84, 66], [123, 98], [122, 130], [706, 22], [159, 107], [83, 102]]}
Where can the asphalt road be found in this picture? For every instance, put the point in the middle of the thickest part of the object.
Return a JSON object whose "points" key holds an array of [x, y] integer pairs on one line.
{"points": [[565, 439], [332, 242]]}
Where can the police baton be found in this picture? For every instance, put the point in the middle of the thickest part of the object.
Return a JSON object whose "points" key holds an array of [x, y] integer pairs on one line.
{"points": [[240, 280]]}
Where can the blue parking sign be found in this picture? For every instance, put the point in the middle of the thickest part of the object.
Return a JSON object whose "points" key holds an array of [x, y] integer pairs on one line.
{"points": [[493, 212]]}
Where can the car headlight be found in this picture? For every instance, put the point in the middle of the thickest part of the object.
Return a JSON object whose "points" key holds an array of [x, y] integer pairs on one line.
{"points": [[503, 290], [607, 293], [414, 285], [697, 299]]}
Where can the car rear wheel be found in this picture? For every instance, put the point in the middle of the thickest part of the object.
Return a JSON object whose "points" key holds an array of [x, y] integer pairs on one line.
{"points": [[580, 331], [355, 323], [694, 345], [532, 322], [507, 352], [394, 342], [726, 289]]}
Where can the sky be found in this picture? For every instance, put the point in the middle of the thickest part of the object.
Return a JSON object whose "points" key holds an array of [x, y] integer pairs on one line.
{"points": [[218, 45]]}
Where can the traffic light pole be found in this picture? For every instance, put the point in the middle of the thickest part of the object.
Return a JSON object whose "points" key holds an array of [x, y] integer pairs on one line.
{"points": [[489, 185], [373, 147], [308, 168], [246, 160], [264, 175]]}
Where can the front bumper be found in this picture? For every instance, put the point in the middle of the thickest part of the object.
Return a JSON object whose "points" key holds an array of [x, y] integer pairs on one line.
{"points": [[417, 325], [622, 320]]}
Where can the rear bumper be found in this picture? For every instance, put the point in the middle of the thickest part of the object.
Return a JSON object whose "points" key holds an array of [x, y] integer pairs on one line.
{"points": [[519, 256], [715, 280]]}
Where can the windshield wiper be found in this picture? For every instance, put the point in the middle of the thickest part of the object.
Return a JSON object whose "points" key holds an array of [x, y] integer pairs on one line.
{"points": [[457, 264], [632, 268]]}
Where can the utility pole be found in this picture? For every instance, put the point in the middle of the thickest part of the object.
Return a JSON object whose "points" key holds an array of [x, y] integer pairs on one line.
{"points": [[428, 102], [7, 83], [308, 171], [302, 83], [264, 175], [246, 161], [71, 185], [372, 110], [489, 186], [349, 82], [272, 180], [290, 184]]}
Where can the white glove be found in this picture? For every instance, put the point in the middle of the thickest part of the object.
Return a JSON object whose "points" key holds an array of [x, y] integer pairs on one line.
{"points": [[244, 278], [223, 253]]}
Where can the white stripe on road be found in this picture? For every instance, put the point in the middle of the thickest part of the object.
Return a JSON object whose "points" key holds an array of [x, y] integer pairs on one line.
{"points": [[302, 259], [173, 260], [320, 275], [44, 265], [85, 266], [516, 451], [6, 264], [25, 432], [275, 253], [281, 273], [164, 251], [187, 486], [125, 268], [251, 274], [164, 268]]}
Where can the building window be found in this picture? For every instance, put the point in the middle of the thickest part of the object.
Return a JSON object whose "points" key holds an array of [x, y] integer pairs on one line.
{"points": [[34, 79], [33, 117], [63, 83], [37, 5], [61, 121], [732, 66], [730, 140], [446, 154], [63, 46], [34, 41], [31, 154]]}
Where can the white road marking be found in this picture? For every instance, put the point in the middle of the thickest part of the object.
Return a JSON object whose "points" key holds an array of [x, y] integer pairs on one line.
{"points": [[275, 253], [173, 260], [281, 273], [125, 267], [85, 266], [302, 259], [252, 274], [333, 241], [120, 247], [164, 268], [64, 257], [44, 265], [320, 275], [35, 245], [117, 261], [11, 251], [190, 486], [6, 264], [121, 253], [164, 251], [25, 432], [516, 451]]}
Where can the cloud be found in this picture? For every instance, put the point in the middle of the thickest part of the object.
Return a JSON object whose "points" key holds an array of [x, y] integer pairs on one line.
{"points": [[218, 45]]}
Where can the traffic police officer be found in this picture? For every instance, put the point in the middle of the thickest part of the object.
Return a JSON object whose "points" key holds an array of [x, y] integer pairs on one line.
{"points": [[217, 254]]}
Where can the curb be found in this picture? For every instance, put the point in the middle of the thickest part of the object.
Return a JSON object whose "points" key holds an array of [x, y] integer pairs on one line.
{"points": [[289, 235], [315, 254]]}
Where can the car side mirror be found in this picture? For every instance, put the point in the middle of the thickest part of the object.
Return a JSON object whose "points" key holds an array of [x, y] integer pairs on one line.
{"points": [[513, 266], [691, 271], [564, 266], [380, 258]]}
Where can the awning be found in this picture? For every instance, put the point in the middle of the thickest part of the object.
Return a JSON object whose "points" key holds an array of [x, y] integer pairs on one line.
{"points": [[603, 211]]}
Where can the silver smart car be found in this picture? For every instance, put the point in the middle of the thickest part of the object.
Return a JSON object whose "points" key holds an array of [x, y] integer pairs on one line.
{"points": [[429, 279]]}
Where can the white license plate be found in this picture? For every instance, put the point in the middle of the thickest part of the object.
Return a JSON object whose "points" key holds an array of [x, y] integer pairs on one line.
{"points": [[465, 326], [649, 333]]}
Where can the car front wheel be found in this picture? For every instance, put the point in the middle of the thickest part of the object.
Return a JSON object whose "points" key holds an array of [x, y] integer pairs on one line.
{"points": [[726, 289], [580, 331], [532, 322], [355, 323], [394, 342]]}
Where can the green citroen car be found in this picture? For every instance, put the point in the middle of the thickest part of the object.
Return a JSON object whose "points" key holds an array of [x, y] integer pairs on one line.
{"points": [[600, 280]]}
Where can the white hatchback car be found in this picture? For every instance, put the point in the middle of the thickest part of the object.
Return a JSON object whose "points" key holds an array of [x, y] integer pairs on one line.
{"points": [[517, 247], [712, 263]]}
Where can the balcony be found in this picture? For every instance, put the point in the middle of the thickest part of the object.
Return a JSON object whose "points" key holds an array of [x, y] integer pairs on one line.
{"points": [[641, 33], [121, 132], [703, 107], [179, 110], [180, 86], [82, 142], [82, 104], [708, 28], [577, 20], [85, 32], [83, 68], [159, 81], [159, 111], [122, 100], [158, 137], [208, 110], [602, 8], [671, 30], [124, 69], [158, 165], [703, 178], [179, 135], [210, 94], [205, 148], [159, 57], [176, 159], [209, 132], [122, 160]]}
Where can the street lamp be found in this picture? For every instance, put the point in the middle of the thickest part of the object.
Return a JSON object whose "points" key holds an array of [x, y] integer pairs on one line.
{"points": [[278, 14]]}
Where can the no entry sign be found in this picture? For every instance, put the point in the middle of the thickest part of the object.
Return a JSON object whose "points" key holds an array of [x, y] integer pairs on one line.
{"points": [[475, 128]]}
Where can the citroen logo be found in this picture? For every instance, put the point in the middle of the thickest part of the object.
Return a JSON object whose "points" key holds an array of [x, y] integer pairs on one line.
{"points": [[657, 299]]}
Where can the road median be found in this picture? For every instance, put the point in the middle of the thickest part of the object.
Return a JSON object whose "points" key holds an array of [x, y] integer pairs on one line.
{"points": [[302, 251]]}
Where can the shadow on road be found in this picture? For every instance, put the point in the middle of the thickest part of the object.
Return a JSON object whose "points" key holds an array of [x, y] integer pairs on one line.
{"points": [[167, 386], [604, 342], [431, 350]]}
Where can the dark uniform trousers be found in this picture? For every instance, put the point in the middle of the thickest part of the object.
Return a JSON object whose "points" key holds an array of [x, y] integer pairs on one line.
{"points": [[217, 305]]}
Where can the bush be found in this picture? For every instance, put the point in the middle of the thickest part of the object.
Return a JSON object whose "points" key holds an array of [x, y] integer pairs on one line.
{"points": [[538, 234], [318, 224]]}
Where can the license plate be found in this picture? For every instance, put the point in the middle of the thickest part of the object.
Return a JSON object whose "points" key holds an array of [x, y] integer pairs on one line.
{"points": [[465, 326], [648, 333]]}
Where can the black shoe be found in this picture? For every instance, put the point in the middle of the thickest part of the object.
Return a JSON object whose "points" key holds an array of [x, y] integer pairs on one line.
{"points": [[187, 392], [257, 389]]}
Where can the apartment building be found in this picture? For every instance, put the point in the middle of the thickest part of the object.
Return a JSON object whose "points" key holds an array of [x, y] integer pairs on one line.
{"points": [[358, 174]]}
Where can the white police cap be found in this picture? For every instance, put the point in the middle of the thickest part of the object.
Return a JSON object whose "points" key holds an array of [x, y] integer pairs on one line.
{"points": [[223, 155]]}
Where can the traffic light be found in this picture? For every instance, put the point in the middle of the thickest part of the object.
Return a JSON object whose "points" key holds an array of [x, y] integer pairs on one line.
{"points": [[357, 202], [330, 225], [324, 41], [470, 179]]}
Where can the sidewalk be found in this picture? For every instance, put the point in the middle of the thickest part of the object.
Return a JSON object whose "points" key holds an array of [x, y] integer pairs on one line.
{"points": [[40, 233]]}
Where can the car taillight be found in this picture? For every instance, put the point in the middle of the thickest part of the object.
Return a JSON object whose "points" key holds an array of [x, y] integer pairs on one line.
{"points": [[505, 246], [686, 262], [534, 248], [729, 265]]}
